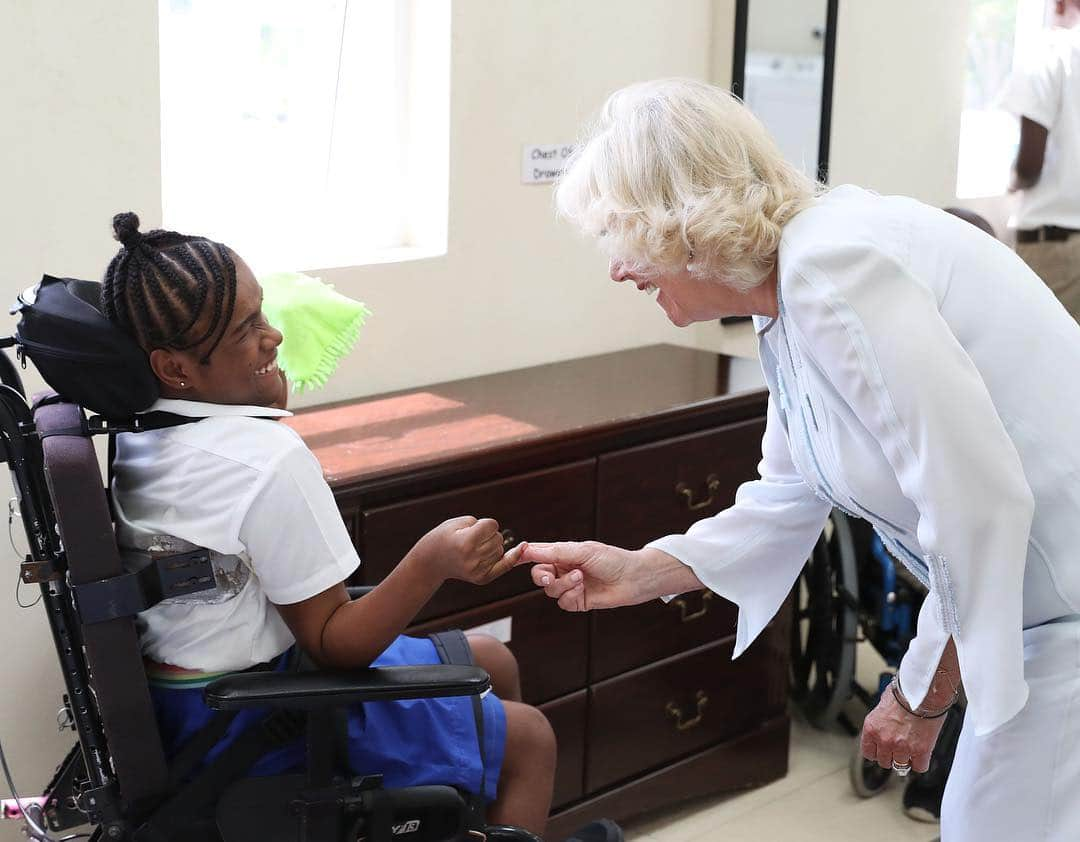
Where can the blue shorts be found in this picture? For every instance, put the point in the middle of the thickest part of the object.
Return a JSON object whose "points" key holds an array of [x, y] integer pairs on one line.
{"points": [[410, 743]]}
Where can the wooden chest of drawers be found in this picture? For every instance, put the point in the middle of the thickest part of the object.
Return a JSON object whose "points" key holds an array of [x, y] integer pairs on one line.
{"points": [[647, 705]]}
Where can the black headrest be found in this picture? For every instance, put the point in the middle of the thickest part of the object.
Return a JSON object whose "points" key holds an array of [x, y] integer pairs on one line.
{"points": [[79, 352]]}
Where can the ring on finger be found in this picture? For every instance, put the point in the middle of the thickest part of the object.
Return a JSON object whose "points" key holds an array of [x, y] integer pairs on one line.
{"points": [[901, 769]]}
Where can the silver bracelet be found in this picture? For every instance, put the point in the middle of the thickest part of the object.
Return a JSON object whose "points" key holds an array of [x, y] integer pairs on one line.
{"points": [[898, 694]]}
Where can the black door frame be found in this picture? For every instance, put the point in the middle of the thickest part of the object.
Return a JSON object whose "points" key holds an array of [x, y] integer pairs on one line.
{"points": [[738, 74]]}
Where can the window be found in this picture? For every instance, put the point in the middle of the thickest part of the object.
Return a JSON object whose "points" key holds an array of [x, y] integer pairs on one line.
{"points": [[1001, 34], [307, 135]]}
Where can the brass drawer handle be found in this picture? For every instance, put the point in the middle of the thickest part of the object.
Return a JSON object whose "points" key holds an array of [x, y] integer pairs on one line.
{"points": [[509, 539], [712, 485], [675, 712], [706, 598]]}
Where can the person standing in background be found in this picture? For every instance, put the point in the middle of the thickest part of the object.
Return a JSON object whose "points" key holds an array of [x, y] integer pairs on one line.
{"points": [[1045, 94]]}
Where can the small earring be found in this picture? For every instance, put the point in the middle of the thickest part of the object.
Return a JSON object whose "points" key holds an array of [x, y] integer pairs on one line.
{"points": [[183, 384]]}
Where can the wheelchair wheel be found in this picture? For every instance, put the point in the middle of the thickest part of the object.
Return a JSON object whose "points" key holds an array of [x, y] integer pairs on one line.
{"points": [[825, 625], [867, 778]]}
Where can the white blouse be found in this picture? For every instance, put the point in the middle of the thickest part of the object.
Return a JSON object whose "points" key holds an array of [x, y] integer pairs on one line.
{"points": [[923, 378]]}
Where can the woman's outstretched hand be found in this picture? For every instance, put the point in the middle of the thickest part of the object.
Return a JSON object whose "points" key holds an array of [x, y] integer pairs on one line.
{"points": [[586, 575]]}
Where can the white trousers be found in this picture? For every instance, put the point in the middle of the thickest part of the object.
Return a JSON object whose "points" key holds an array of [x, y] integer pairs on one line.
{"points": [[1021, 783]]}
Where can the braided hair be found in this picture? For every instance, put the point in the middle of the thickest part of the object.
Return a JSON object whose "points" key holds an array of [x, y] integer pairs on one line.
{"points": [[161, 283]]}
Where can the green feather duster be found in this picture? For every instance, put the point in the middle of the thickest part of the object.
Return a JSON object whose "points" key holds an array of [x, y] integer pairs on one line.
{"points": [[319, 325]]}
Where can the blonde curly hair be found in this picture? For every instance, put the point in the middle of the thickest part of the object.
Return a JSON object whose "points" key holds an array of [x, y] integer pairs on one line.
{"points": [[677, 172]]}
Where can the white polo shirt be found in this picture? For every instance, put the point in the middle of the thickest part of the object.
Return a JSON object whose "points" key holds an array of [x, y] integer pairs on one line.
{"points": [[248, 489], [1047, 90]]}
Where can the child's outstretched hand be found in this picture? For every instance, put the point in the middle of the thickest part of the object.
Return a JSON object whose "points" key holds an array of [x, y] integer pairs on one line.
{"points": [[469, 549]]}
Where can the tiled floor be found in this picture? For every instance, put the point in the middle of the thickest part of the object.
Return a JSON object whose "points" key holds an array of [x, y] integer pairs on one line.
{"points": [[813, 802]]}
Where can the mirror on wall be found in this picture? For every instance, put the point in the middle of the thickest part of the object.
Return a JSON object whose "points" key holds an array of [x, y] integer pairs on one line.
{"points": [[783, 70], [784, 55]]}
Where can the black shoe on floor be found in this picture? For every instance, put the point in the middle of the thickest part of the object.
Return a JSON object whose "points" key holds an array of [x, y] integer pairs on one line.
{"points": [[922, 803], [601, 830]]}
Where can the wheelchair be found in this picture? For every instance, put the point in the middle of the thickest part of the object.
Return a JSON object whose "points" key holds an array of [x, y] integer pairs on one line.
{"points": [[116, 778], [850, 591]]}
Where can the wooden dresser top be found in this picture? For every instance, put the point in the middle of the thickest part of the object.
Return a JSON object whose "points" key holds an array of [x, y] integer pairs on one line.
{"points": [[365, 443]]}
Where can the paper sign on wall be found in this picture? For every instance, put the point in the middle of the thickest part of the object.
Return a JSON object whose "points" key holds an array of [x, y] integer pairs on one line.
{"points": [[542, 164]]}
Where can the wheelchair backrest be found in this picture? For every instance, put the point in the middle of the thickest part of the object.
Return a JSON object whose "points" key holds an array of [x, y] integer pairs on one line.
{"points": [[113, 660]]}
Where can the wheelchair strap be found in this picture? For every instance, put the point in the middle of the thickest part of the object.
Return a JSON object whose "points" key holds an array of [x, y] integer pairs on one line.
{"points": [[197, 797], [478, 715], [453, 648], [199, 744], [96, 425], [99, 425], [194, 751]]}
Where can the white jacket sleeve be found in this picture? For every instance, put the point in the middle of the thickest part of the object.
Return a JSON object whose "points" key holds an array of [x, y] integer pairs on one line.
{"points": [[752, 552], [878, 336]]}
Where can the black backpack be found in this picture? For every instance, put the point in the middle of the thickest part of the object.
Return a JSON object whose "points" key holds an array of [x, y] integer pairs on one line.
{"points": [[83, 356]]}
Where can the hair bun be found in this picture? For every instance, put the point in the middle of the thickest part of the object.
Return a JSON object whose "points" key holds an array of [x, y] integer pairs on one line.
{"points": [[126, 229]]}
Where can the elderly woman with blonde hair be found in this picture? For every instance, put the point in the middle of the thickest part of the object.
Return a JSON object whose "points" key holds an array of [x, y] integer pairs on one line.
{"points": [[920, 377]]}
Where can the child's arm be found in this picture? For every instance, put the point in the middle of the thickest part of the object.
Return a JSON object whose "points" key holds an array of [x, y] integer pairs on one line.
{"points": [[338, 632]]}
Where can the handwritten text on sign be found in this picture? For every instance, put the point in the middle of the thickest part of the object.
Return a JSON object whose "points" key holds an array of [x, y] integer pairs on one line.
{"points": [[543, 164]]}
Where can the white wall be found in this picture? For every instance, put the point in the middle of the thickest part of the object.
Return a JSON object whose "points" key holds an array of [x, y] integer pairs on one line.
{"points": [[79, 141], [516, 288], [898, 93]]}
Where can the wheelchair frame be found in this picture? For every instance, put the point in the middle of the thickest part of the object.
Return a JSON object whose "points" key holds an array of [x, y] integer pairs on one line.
{"points": [[116, 777], [851, 590]]}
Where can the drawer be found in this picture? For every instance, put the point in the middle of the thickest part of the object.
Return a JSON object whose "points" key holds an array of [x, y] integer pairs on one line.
{"points": [[652, 716], [662, 488], [550, 644], [553, 504], [627, 638], [567, 718]]}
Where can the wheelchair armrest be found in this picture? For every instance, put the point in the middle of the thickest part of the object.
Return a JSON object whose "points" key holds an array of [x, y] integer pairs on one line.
{"points": [[314, 690], [357, 591]]}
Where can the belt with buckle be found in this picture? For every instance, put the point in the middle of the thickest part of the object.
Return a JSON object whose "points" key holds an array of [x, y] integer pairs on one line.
{"points": [[1048, 233]]}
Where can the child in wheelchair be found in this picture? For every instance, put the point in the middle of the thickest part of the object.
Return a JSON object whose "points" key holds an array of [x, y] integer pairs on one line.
{"points": [[250, 491]]}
